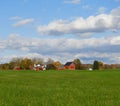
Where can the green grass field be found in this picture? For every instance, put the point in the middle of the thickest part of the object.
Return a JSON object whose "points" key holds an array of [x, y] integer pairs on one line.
{"points": [[60, 88]]}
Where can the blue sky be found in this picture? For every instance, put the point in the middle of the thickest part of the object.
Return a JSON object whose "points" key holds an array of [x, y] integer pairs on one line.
{"points": [[60, 29]]}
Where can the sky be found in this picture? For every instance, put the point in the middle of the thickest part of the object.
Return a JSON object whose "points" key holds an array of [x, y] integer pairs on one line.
{"points": [[60, 29]]}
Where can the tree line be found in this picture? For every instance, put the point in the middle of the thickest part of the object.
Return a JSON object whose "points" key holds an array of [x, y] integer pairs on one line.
{"points": [[27, 64], [24, 63]]}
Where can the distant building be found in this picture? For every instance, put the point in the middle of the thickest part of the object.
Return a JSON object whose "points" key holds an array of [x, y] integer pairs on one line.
{"points": [[17, 68], [69, 66], [38, 67]]}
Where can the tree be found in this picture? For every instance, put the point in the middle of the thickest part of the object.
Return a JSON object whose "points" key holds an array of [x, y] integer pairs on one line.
{"points": [[37, 60], [15, 62], [77, 63], [26, 63], [5, 66], [95, 65], [101, 65], [57, 64], [50, 67]]}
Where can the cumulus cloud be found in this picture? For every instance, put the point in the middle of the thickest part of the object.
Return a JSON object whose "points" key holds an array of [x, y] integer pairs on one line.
{"points": [[72, 1], [65, 49], [23, 22], [80, 25]]}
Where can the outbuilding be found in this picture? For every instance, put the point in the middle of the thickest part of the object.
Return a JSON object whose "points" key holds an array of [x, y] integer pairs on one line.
{"points": [[69, 66]]}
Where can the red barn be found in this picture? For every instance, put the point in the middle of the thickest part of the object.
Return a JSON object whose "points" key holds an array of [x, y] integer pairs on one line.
{"points": [[17, 68], [69, 66]]}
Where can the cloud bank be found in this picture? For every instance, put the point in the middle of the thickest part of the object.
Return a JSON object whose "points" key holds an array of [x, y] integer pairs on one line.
{"points": [[64, 49]]}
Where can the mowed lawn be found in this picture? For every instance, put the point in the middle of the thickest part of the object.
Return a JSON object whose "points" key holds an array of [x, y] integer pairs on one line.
{"points": [[60, 88]]}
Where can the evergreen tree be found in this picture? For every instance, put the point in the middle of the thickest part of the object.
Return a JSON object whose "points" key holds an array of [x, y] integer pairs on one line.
{"points": [[95, 65]]}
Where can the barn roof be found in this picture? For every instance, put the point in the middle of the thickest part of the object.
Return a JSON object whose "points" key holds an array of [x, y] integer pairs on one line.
{"points": [[68, 63]]}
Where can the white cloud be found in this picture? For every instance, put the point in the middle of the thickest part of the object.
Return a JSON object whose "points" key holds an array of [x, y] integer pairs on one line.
{"points": [[101, 10], [16, 18], [13, 35], [72, 1], [2, 45], [23, 22], [80, 25], [62, 44], [64, 49], [115, 40]]}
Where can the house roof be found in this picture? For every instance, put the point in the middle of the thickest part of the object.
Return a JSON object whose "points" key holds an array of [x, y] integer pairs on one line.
{"points": [[68, 63]]}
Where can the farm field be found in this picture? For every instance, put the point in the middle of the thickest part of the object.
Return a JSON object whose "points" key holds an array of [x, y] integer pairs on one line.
{"points": [[60, 88]]}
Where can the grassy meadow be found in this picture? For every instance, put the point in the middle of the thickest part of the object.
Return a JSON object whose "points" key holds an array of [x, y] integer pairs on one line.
{"points": [[60, 88]]}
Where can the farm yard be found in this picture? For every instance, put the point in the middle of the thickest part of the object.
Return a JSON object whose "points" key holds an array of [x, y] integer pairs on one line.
{"points": [[60, 88]]}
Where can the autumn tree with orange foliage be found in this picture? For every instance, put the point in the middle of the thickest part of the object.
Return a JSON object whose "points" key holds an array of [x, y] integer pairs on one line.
{"points": [[57, 64], [26, 63]]}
